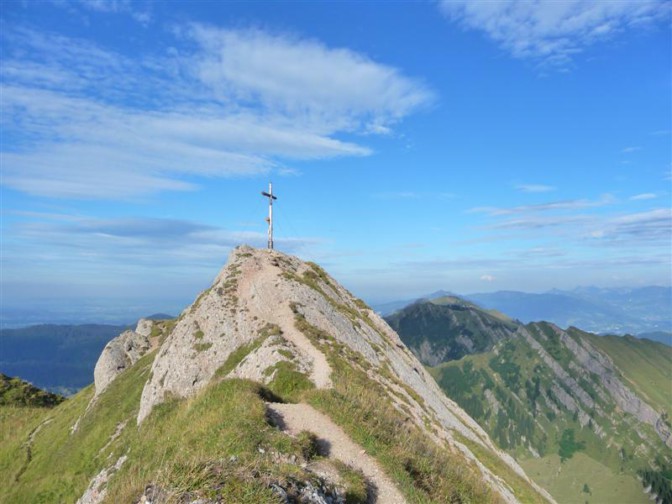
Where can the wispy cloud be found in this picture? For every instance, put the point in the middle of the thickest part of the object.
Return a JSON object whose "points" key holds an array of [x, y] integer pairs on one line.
{"points": [[136, 242], [536, 222], [488, 278], [226, 103], [566, 205], [139, 11], [331, 89], [643, 197], [644, 228], [412, 195], [630, 150], [534, 188], [552, 32]]}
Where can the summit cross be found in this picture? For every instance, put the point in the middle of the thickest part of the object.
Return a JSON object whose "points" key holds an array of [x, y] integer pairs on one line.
{"points": [[269, 219]]}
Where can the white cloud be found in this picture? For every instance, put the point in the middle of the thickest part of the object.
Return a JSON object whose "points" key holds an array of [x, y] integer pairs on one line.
{"points": [[332, 88], [83, 122], [488, 278], [535, 188], [552, 31], [643, 196], [630, 150]]}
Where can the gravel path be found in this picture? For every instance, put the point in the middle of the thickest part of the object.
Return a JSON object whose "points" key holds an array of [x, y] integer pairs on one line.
{"points": [[294, 418], [258, 290]]}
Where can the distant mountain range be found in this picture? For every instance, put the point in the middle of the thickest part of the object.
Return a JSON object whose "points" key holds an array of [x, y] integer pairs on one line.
{"points": [[58, 358], [645, 312]]}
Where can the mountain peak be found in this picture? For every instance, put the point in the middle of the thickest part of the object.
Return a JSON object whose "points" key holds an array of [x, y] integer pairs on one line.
{"points": [[269, 316]]}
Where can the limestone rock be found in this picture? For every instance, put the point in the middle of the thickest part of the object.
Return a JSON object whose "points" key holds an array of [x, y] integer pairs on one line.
{"points": [[119, 354], [144, 327]]}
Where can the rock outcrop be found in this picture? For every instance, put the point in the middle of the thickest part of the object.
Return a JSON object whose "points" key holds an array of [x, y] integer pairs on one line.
{"points": [[121, 353]]}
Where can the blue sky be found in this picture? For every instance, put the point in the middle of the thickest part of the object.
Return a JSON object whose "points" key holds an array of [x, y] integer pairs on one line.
{"points": [[467, 146]]}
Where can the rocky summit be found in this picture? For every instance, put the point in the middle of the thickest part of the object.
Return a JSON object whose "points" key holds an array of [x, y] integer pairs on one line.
{"points": [[275, 385]]}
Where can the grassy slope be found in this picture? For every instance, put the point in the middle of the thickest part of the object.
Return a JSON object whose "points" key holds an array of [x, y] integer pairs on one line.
{"points": [[565, 481], [171, 448], [646, 365]]}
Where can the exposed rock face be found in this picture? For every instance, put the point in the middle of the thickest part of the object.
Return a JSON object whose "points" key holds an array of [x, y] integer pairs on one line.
{"points": [[256, 301], [121, 353], [596, 362], [563, 376]]}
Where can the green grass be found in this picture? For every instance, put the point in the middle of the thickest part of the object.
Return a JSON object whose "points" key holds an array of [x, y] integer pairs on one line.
{"points": [[565, 480], [521, 489], [288, 383], [16, 425], [237, 356], [202, 347], [188, 445], [62, 464], [354, 482], [217, 445]]}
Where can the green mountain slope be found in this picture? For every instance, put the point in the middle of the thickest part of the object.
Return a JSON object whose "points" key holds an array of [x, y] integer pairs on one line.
{"points": [[16, 392], [448, 328], [646, 365], [566, 404]]}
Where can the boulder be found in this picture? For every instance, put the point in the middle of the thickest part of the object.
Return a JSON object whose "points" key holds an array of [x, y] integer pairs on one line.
{"points": [[119, 354]]}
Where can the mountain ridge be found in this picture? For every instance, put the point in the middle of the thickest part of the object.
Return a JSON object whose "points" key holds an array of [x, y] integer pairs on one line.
{"points": [[541, 390]]}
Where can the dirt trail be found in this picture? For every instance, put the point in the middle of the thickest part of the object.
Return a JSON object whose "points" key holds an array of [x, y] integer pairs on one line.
{"points": [[321, 372], [294, 418], [259, 288], [29, 447]]}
